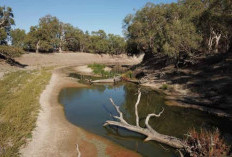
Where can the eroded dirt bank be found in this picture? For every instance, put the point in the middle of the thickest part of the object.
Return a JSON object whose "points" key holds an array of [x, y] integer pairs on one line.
{"points": [[204, 85]]}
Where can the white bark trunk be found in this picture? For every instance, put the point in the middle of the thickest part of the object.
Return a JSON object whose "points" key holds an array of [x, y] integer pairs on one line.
{"points": [[37, 46], [217, 38]]}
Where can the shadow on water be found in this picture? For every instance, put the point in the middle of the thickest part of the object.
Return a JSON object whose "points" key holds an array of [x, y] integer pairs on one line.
{"points": [[89, 108]]}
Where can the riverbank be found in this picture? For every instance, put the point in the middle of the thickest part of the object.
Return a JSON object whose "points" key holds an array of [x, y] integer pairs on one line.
{"points": [[205, 85], [49, 136], [55, 136]]}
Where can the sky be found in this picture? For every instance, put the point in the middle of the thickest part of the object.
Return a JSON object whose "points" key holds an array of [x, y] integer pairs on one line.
{"points": [[90, 15]]}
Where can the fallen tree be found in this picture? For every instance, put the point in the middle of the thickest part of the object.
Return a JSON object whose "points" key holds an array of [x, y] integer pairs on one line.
{"points": [[11, 61], [111, 80], [148, 131]]}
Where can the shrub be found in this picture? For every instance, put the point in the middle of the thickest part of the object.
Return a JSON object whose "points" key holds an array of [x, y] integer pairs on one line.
{"points": [[97, 68], [10, 51], [128, 74], [206, 143], [164, 86]]}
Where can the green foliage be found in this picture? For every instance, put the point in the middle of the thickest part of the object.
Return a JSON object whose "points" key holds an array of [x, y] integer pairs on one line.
{"points": [[72, 38], [52, 35], [116, 44], [11, 51], [97, 68], [19, 105], [164, 86], [161, 29], [18, 37], [6, 21], [128, 74], [180, 29]]}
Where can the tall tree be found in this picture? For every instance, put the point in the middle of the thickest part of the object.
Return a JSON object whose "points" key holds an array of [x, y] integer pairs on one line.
{"points": [[215, 24], [6, 21], [161, 29]]}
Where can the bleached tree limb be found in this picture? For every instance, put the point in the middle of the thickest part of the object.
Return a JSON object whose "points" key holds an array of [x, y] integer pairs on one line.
{"points": [[78, 151], [136, 109], [148, 131], [110, 80], [119, 112]]}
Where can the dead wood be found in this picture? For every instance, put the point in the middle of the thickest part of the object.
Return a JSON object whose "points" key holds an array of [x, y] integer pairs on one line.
{"points": [[148, 131], [111, 80]]}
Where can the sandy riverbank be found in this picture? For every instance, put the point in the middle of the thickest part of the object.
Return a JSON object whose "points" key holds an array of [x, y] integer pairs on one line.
{"points": [[54, 135]]}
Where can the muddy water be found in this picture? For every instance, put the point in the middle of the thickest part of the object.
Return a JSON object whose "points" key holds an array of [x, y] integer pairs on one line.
{"points": [[89, 108]]}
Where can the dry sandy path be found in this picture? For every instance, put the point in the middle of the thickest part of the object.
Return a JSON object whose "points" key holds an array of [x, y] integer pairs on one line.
{"points": [[54, 135]]}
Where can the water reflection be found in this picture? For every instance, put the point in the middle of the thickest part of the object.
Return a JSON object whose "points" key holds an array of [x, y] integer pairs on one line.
{"points": [[90, 108]]}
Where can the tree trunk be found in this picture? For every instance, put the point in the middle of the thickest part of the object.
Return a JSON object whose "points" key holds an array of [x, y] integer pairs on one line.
{"points": [[60, 49], [37, 46], [210, 43], [217, 38], [147, 56]]}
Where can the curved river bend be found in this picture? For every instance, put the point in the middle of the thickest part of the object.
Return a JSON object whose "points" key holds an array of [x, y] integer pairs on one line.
{"points": [[90, 107]]}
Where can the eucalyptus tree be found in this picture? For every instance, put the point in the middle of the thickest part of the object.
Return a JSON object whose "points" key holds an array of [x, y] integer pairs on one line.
{"points": [[73, 38], [33, 38], [6, 21], [116, 44], [18, 37], [49, 29], [99, 42], [161, 29], [215, 24]]}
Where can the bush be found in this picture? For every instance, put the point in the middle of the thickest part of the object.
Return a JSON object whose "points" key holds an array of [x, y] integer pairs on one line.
{"points": [[164, 86], [207, 143], [10, 51], [128, 74], [97, 68]]}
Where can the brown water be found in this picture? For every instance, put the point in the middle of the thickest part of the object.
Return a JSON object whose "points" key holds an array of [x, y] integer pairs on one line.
{"points": [[89, 108]]}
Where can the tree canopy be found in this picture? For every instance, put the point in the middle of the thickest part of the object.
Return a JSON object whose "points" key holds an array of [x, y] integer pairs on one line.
{"points": [[52, 35], [176, 29], [6, 21]]}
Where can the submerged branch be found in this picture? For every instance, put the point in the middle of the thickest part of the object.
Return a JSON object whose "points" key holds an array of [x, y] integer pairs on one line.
{"points": [[148, 131]]}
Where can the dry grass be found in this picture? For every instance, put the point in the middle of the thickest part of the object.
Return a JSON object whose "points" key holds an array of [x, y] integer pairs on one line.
{"points": [[19, 105], [206, 143]]}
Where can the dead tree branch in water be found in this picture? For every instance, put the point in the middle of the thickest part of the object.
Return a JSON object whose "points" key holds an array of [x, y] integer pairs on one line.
{"points": [[148, 131]]}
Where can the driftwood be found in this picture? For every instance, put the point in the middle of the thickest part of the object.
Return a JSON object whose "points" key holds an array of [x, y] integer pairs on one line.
{"points": [[78, 151], [148, 131], [111, 80]]}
